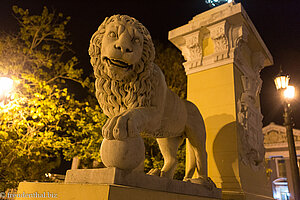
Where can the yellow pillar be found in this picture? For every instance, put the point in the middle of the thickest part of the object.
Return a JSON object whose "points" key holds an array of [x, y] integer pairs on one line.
{"points": [[224, 55]]}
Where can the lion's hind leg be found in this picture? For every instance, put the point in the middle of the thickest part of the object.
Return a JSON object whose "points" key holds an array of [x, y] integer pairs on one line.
{"points": [[196, 144], [169, 148], [190, 161]]}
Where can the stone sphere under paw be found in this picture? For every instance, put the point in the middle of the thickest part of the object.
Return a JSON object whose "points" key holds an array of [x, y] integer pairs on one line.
{"points": [[124, 154]]}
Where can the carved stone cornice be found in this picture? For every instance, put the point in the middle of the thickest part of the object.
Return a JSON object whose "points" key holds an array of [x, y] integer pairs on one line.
{"points": [[230, 45], [241, 52], [240, 35], [258, 61], [234, 39]]}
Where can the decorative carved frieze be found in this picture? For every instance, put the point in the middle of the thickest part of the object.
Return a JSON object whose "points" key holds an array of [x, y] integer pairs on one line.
{"points": [[276, 135], [230, 44], [219, 34], [228, 32], [192, 50], [193, 47]]}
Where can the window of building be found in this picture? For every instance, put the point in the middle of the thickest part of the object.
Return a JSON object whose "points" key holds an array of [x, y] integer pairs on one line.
{"points": [[281, 168], [280, 189]]}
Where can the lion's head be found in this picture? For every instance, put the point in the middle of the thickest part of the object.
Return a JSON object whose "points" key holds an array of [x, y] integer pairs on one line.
{"points": [[122, 54]]}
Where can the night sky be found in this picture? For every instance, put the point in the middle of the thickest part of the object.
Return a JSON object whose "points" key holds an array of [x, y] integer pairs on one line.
{"points": [[277, 21]]}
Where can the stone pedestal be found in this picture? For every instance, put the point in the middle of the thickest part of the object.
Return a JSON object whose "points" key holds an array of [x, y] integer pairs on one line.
{"points": [[116, 184], [224, 56]]}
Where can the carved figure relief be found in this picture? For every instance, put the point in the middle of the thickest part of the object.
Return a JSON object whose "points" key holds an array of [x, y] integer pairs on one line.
{"points": [[132, 92], [250, 119]]}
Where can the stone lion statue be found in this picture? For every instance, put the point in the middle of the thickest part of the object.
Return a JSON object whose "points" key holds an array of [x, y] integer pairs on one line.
{"points": [[132, 92]]}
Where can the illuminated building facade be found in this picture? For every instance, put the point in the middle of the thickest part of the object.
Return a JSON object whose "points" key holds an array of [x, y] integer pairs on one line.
{"points": [[277, 156]]}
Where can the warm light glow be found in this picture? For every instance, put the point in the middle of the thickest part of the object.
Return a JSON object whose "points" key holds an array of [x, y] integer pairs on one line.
{"points": [[282, 82], [6, 86], [289, 92]]}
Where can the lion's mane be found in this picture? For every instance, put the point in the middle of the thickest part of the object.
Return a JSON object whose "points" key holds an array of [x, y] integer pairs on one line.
{"points": [[115, 97]]}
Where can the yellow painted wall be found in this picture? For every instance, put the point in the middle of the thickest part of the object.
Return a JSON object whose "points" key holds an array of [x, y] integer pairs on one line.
{"points": [[60, 191], [207, 46], [98, 192], [213, 92]]}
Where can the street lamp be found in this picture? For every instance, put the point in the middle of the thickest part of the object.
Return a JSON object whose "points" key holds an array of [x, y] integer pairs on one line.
{"points": [[6, 87], [288, 92]]}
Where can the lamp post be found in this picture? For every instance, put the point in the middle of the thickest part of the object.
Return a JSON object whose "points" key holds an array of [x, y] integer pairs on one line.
{"points": [[288, 92], [6, 87]]}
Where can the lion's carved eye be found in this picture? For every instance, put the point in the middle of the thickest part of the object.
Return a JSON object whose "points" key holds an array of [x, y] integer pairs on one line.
{"points": [[112, 34]]}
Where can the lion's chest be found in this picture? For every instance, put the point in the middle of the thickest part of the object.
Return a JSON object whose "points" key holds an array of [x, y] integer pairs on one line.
{"points": [[113, 110]]}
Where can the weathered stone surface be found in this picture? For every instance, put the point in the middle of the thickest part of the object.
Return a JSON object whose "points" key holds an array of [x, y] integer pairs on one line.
{"points": [[133, 93], [139, 180], [125, 154]]}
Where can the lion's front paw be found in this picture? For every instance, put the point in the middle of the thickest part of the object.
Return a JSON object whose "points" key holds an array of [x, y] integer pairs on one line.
{"points": [[125, 127], [106, 133], [119, 131], [119, 128]]}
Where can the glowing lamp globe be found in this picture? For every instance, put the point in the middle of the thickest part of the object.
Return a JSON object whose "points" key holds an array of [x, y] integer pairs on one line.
{"points": [[282, 81], [6, 86], [289, 92]]}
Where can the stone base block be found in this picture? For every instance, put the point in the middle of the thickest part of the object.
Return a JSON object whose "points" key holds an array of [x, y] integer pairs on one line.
{"points": [[62, 191], [115, 176], [243, 195]]}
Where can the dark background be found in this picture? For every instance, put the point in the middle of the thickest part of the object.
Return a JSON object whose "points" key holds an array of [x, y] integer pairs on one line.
{"points": [[277, 21]]}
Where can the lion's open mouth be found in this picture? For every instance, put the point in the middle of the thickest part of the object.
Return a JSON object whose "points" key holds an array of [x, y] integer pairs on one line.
{"points": [[117, 63]]}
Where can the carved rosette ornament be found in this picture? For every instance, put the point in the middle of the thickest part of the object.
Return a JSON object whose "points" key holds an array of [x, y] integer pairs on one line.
{"points": [[249, 116]]}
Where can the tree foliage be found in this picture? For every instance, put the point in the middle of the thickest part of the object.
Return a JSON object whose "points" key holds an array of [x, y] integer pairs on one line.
{"points": [[43, 120]]}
